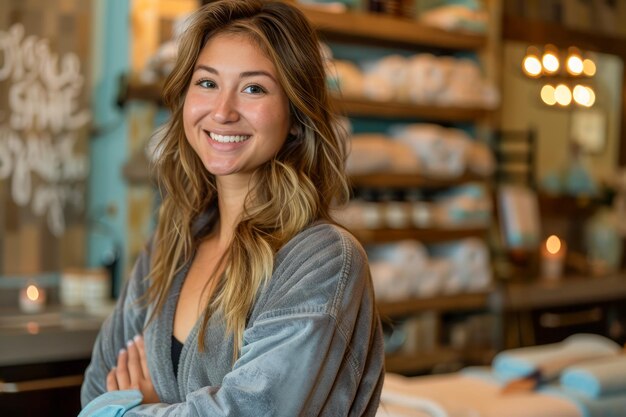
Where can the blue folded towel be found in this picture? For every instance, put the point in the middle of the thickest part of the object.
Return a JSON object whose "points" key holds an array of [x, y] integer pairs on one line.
{"points": [[598, 378], [549, 360], [112, 404]]}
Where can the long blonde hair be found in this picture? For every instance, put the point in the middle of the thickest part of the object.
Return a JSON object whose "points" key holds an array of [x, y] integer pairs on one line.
{"points": [[291, 191]]}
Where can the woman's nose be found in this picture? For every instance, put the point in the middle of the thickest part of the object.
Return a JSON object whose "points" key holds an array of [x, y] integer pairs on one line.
{"points": [[225, 108]]}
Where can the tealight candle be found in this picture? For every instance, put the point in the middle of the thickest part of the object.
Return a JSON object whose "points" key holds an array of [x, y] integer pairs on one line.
{"points": [[553, 253], [32, 299]]}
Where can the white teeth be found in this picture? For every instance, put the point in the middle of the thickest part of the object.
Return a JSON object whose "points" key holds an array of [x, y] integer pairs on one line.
{"points": [[228, 139]]}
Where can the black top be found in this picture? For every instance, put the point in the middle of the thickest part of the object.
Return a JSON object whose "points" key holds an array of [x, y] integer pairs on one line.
{"points": [[177, 347]]}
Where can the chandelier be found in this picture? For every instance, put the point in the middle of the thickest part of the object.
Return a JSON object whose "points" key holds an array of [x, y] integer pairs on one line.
{"points": [[565, 84]]}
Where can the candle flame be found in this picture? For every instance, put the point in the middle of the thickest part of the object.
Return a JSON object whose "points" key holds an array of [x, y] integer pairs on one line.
{"points": [[553, 244], [32, 292]]}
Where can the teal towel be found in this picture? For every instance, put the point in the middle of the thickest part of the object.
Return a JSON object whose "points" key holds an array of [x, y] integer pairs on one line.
{"points": [[596, 379], [112, 404], [549, 360]]}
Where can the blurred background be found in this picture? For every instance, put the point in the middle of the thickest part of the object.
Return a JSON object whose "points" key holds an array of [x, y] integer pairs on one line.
{"points": [[487, 164]]}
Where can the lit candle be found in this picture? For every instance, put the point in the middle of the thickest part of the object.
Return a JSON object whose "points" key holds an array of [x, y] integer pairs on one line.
{"points": [[32, 299], [553, 253]]}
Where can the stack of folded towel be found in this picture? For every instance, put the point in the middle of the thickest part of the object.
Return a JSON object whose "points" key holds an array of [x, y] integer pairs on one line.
{"points": [[422, 148], [423, 79], [405, 269]]}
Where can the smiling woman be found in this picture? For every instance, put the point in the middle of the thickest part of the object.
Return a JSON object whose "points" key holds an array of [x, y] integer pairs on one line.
{"points": [[248, 300]]}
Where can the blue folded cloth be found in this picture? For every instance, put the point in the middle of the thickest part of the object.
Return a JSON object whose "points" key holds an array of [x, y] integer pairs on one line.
{"points": [[549, 360], [598, 378], [112, 404]]}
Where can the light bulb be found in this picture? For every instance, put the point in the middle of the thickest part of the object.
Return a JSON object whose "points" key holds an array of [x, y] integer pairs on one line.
{"points": [[574, 65], [547, 95], [550, 62], [531, 65], [563, 95], [592, 96], [581, 95], [589, 67]]}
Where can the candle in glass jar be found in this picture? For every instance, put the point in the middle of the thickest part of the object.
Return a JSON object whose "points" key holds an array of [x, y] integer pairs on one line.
{"points": [[553, 253], [32, 299]]}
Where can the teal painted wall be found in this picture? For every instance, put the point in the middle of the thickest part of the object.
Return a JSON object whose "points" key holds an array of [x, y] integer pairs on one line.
{"points": [[106, 201]]}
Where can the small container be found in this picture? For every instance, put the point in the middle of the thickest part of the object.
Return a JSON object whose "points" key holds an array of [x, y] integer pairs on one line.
{"points": [[397, 214], [71, 288], [96, 288], [372, 215]]}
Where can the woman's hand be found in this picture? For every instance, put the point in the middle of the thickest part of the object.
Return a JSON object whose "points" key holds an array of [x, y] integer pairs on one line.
{"points": [[132, 371]]}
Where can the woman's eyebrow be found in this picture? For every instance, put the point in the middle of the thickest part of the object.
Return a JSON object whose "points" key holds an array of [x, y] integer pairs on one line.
{"points": [[244, 74]]}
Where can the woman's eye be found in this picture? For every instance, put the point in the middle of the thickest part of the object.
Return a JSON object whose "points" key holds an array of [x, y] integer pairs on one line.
{"points": [[254, 89], [205, 83]]}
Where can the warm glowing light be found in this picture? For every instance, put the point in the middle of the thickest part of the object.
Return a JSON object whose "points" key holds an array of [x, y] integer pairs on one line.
{"points": [[563, 95], [547, 94], [574, 65], [592, 96], [589, 67], [550, 62], [584, 95], [32, 292], [553, 244], [531, 65]]}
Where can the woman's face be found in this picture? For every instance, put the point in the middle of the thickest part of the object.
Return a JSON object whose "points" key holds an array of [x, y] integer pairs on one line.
{"points": [[236, 114]]}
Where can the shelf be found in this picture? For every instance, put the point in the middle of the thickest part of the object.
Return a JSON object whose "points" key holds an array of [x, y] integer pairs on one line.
{"points": [[410, 180], [522, 296], [458, 302], [424, 235], [376, 28], [385, 109]]}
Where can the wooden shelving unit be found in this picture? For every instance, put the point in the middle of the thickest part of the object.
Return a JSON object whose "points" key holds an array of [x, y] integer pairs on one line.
{"points": [[376, 28]]}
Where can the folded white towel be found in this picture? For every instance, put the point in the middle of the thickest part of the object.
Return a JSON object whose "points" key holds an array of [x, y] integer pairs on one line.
{"points": [[374, 153], [386, 79], [480, 159], [455, 17], [425, 79], [430, 281], [346, 77]]}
